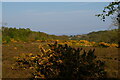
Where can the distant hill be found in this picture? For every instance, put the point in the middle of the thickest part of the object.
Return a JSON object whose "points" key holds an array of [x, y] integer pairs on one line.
{"points": [[22, 34], [109, 36]]}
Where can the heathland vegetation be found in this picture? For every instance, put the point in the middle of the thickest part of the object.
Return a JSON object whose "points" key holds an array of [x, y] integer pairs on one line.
{"points": [[44, 56], [108, 36], [21, 34]]}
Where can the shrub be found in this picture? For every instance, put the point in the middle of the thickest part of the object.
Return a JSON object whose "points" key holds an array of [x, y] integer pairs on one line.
{"points": [[7, 39], [103, 44], [64, 62]]}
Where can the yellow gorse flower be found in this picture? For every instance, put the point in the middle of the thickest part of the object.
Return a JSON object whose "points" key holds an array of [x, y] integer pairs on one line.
{"points": [[33, 57], [12, 40], [30, 54], [15, 48]]}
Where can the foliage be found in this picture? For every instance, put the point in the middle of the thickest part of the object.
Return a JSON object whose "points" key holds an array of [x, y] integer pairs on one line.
{"points": [[22, 34], [64, 62], [112, 8], [108, 36], [26, 35]]}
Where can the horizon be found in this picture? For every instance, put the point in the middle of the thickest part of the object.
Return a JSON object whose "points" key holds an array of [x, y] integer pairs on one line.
{"points": [[62, 34], [57, 18]]}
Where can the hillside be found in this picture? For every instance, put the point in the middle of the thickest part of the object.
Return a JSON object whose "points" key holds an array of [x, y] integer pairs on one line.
{"points": [[22, 34], [109, 36]]}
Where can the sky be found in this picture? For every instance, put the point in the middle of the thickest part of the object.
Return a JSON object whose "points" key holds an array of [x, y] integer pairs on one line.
{"points": [[0, 13], [58, 0], [59, 18]]}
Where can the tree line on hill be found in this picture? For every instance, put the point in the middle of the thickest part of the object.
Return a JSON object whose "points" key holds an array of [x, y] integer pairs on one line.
{"points": [[108, 36], [21, 34]]}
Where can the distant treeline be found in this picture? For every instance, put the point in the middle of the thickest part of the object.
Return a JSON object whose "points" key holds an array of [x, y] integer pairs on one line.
{"points": [[22, 34], [109, 36]]}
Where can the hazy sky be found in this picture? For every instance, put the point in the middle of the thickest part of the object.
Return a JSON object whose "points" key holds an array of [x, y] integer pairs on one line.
{"points": [[58, 18], [0, 13]]}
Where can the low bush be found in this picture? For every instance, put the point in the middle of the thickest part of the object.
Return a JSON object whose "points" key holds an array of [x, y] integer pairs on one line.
{"points": [[64, 62]]}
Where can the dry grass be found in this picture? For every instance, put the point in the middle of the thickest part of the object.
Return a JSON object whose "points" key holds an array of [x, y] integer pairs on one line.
{"points": [[9, 51]]}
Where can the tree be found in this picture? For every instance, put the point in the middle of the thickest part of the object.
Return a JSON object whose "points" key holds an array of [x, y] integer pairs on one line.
{"points": [[113, 9]]}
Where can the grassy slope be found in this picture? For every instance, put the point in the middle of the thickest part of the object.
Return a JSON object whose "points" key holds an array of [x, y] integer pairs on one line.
{"points": [[22, 34], [109, 36]]}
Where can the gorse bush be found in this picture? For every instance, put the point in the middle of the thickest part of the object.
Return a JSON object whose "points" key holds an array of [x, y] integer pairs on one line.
{"points": [[77, 63], [64, 62]]}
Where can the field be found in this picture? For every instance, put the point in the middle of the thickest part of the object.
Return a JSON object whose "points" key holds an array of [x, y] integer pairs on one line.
{"points": [[13, 49]]}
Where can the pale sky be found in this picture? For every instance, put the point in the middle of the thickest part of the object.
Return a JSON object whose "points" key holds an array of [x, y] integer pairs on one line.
{"points": [[68, 18], [58, 0]]}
